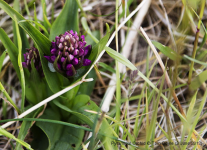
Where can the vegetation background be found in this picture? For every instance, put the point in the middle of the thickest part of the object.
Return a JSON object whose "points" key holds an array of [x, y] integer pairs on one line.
{"points": [[159, 106]]}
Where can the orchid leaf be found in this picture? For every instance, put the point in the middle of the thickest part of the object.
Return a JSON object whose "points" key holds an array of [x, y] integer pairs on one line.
{"points": [[59, 136], [67, 20]]}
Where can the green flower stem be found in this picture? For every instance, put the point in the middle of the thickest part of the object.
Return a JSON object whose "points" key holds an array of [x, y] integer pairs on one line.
{"points": [[196, 41], [9, 98], [118, 84]]}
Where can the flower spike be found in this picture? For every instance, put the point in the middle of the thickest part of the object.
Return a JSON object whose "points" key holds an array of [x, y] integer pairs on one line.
{"points": [[71, 53]]}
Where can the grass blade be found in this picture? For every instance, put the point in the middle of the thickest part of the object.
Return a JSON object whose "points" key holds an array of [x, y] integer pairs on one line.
{"points": [[19, 41], [163, 96], [195, 121], [120, 58], [9, 98], [2, 59], [46, 21], [87, 29], [107, 67], [11, 136], [166, 50], [196, 61]]}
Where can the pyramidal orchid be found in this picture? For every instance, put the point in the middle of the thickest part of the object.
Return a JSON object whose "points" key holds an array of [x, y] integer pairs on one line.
{"points": [[69, 53], [32, 55]]}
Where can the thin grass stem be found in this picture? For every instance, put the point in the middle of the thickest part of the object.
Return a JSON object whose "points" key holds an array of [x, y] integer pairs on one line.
{"points": [[196, 41], [118, 84]]}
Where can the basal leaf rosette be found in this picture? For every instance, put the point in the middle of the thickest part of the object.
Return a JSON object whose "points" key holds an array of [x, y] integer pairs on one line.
{"points": [[69, 53]]}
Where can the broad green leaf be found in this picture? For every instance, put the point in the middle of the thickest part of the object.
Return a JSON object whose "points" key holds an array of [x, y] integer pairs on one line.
{"points": [[59, 135], [198, 80], [2, 59], [52, 131], [67, 20], [11, 49], [166, 51], [35, 91], [35, 86], [71, 138], [82, 103], [38, 25], [120, 58]]}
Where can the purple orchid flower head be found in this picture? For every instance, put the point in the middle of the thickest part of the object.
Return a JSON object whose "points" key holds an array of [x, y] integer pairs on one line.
{"points": [[32, 56], [69, 53]]}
